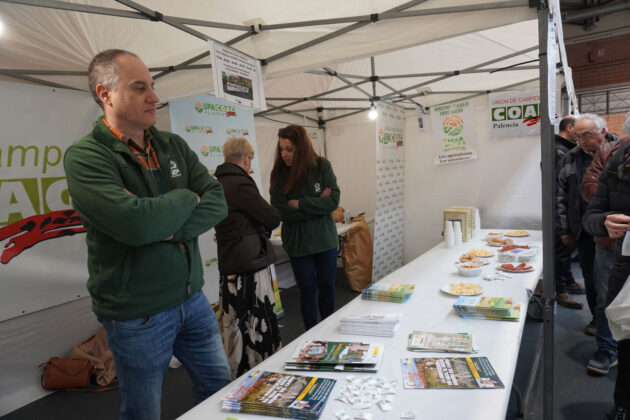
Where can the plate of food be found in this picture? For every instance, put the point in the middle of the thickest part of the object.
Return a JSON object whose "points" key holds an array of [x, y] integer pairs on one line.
{"points": [[480, 252], [518, 268], [470, 259], [512, 247], [462, 289], [517, 233], [499, 242]]}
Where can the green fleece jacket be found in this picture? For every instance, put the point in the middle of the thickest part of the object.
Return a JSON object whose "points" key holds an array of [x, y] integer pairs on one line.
{"points": [[133, 270], [309, 229]]}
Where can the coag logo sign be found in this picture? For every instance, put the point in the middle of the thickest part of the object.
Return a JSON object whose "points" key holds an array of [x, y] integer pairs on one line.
{"points": [[452, 125], [391, 135], [212, 151], [529, 113]]}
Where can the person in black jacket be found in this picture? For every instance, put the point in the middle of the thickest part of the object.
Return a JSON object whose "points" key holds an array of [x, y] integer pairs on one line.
{"points": [[249, 326], [563, 278], [609, 215]]}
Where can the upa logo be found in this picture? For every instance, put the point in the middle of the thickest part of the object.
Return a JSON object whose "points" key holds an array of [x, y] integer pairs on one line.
{"points": [[237, 131], [205, 151], [452, 125], [212, 261], [215, 109], [198, 129]]}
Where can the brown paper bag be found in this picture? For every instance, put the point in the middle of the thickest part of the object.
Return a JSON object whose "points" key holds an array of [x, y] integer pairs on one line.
{"points": [[357, 255]]}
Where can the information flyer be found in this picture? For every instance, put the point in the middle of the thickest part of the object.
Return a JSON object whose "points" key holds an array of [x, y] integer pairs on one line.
{"points": [[454, 133], [237, 77]]}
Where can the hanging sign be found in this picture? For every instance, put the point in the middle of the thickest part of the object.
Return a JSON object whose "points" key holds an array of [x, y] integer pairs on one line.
{"points": [[454, 133], [237, 77], [515, 113]]}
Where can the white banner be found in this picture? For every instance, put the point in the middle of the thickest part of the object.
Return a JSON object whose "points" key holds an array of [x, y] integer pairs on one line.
{"points": [[390, 191], [237, 77], [515, 113], [454, 133], [206, 122], [43, 256]]}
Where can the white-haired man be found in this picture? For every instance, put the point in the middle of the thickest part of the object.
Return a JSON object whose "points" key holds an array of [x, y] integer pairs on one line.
{"points": [[144, 198], [589, 132]]}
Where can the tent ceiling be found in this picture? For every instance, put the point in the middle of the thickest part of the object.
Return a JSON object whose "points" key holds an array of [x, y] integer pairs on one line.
{"points": [[420, 36]]}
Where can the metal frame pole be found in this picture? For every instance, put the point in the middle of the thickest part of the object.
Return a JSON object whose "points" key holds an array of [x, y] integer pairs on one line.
{"points": [[547, 153]]}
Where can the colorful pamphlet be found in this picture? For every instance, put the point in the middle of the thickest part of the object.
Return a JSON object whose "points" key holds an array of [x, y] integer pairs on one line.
{"points": [[438, 342], [399, 293], [449, 373], [336, 356], [279, 395]]}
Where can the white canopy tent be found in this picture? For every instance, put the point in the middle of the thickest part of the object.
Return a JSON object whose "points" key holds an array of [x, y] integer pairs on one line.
{"points": [[445, 49]]}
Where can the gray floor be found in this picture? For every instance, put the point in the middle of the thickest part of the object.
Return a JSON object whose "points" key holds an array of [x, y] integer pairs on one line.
{"points": [[578, 395]]}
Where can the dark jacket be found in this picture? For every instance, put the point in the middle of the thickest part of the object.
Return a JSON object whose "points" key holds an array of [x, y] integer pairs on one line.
{"points": [[591, 178], [562, 146], [570, 206], [310, 229], [612, 196], [133, 271], [242, 238]]}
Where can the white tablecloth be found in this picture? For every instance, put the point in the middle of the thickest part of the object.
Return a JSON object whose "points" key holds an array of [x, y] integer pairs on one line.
{"points": [[429, 310]]}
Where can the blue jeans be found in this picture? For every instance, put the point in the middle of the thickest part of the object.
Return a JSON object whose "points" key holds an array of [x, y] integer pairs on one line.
{"points": [[143, 347], [603, 262], [312, 273]]}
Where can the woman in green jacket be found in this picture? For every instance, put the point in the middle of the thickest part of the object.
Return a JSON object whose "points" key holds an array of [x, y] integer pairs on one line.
{"points": [[304, 189]]}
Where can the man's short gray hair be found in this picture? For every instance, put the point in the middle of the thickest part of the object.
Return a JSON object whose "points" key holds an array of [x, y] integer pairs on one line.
{"points": [[626, 124], [599, 121], [236, 148], [103, 70]]}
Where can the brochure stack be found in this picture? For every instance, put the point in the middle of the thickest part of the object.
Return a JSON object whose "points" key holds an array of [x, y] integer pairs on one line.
{"points": [[495, 308], [399, 293], [336, 356], [382, 325], [279, 395]]}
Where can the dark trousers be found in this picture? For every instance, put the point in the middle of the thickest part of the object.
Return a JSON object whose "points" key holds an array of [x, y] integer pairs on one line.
{"points": [[316, 273], [586, 249], [618, 275], [622, 386], [562, 263]]}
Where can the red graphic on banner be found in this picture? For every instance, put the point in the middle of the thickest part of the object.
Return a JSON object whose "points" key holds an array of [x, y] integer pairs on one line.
{"points": [[399, 143], [32, 230], [230, 114], [531, 121]]}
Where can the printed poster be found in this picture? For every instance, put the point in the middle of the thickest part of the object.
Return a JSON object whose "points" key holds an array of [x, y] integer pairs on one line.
{"points": [[390, 190], [206, 122], [454, 133], [515, 113], [237, 77]]}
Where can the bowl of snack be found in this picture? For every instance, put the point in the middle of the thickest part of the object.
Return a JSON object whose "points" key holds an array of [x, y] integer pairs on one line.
{"points": [[470, 269], [499, 241]]}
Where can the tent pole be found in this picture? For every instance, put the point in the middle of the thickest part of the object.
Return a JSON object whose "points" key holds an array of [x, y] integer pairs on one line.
{"points": [[346, 81], [40, 81], [349, 28], [547, 153]]}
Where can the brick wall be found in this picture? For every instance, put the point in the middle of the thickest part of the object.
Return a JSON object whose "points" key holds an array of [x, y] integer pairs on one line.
{"points": [[614, 123], [601, 62]]}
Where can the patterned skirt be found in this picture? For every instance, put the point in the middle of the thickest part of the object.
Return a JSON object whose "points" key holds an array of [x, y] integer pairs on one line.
{"points": [[249, 326]]}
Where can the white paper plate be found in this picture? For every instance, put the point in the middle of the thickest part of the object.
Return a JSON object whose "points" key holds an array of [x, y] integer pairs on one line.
{"points": [[446, 288], [515, 236]]}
